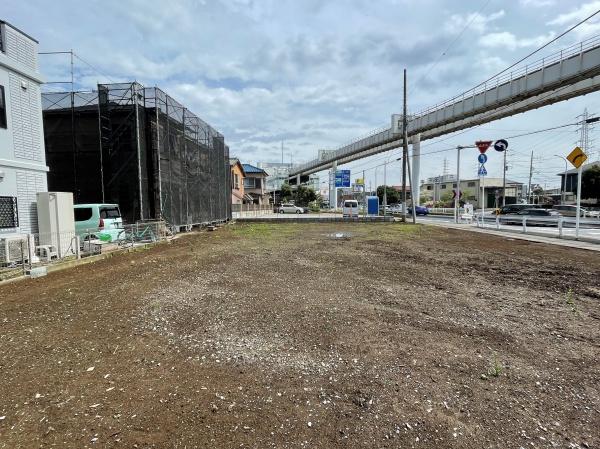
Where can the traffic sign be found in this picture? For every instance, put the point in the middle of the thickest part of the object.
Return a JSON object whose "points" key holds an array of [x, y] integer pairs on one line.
{"points": [[482, 171], [454, 193], [342, 178], [482, 158], [577, 157], [501, 145], [483, 145]]}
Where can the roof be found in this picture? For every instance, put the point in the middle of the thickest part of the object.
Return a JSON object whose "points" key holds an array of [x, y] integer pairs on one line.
{"points": [[585, 167], [18, 30], [235, 161], [251, 169]]}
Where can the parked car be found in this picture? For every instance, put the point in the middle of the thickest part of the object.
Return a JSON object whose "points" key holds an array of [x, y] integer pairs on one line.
{"points": [[290, 209], [98, 221], [419, 210], [570, 211], [385, 209], [350, 208], [516, 208], [534, 216], [305, 210]]}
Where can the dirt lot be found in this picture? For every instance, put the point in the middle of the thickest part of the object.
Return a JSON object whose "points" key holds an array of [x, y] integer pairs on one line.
{"points": [[259, 336]]}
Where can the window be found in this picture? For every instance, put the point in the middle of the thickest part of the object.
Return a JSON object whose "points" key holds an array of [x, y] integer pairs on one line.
{"points": [[443, 186], [2, 108], [429, 188], [9, 215], [454, 185], [110, 212], [236, 181], [83, 213], [252, 183], [471, 184]]}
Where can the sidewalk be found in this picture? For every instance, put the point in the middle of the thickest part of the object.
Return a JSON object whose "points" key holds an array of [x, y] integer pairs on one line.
{"points": [[520, 236]]}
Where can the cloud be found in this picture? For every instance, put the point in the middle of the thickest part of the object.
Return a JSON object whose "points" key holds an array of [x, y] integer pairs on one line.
{"points": [[576, 14], [537, 3], [509, 41], [476, 21]]}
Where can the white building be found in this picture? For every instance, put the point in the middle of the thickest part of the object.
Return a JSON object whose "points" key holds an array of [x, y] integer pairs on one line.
{"points": [[22, 158]]}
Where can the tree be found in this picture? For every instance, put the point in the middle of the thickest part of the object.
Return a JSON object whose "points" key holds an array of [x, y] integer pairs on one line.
{"points": [[286, 191], [393, 196], [446, 197], [304, 195], [590, 183]]}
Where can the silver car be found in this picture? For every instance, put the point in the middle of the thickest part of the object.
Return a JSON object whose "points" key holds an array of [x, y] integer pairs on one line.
{"points": [[290, 209]]}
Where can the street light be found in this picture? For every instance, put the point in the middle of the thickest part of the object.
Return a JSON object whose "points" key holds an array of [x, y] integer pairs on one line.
{"points": [[564, 186]]}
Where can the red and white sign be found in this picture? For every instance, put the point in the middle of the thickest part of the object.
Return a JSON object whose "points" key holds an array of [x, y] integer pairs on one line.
{"points": [[483, 145]]}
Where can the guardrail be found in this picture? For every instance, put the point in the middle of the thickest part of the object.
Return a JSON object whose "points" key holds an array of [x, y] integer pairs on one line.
{"points": [[561, 227]]}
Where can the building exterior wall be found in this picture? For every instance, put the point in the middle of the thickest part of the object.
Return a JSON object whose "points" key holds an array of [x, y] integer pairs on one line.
{"points": [[237, 184], [471, 188], [22, 157]]}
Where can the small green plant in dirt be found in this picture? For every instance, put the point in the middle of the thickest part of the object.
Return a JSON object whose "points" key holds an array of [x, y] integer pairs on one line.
{"points": [[570, 300], [495, 368]]}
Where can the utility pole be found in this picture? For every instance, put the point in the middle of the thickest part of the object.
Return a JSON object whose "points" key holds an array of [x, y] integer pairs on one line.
{"points": [[364, 183], [457, 197], [384, 187], [529, 185], [404, 151]]}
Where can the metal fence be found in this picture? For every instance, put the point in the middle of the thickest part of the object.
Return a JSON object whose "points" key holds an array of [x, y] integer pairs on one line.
{"points": [[250, 210], [33, 253], [561, 227]]}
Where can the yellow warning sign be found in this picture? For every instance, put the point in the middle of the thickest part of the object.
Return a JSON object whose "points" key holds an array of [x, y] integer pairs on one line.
{"points": [[577, 157]]}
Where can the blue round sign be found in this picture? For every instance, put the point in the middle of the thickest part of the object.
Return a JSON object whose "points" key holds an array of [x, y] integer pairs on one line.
{"points": [[501, 145], [482, 158]]}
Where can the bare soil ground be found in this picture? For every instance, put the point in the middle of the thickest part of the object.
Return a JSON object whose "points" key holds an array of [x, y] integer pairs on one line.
{"points": [[266, 335]]}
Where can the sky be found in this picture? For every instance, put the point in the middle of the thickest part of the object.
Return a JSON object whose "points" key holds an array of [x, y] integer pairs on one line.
{"points": [[317, 74]]}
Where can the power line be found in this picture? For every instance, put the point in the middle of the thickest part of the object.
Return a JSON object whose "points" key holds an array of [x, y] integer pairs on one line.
{"points": [[435, 63], [93, 68]]}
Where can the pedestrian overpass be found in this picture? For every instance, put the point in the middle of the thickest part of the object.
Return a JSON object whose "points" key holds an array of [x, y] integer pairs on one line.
{"points": [[569, 73]]}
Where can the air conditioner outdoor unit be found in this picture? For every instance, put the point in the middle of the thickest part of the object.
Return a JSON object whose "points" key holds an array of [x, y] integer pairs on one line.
{"points": [[13, 249]]}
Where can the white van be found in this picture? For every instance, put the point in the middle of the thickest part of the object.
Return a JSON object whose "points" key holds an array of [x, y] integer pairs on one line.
{"points": [[350, 208]]}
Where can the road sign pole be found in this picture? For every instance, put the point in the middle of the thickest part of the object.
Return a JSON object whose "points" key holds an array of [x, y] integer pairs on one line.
{"points": [[504, 181], [457, 198], [579, 173], [482, 201]]}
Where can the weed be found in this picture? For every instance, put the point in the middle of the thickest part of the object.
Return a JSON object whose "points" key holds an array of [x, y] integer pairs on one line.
{"points": [[495, 369], [570, 300]]}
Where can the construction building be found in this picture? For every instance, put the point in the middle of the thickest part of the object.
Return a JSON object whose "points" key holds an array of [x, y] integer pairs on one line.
{"points": [[139, 148]]}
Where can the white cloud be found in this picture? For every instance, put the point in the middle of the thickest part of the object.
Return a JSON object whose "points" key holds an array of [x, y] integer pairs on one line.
{"points": [[476, 21], [508, 40], [537, 3], [577, 14]]}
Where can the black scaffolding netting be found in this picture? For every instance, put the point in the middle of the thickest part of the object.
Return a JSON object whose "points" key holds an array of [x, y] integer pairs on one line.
{"points": [[139, 148]]}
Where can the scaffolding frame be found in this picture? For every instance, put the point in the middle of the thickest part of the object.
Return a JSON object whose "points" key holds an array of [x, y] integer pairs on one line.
{"points": [[178, 161]]}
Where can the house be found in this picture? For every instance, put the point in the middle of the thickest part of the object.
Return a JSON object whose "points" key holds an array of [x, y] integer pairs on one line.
{"points": [[254, 184], [441, 188], [23, 170], [570, 187], [237, 183]]}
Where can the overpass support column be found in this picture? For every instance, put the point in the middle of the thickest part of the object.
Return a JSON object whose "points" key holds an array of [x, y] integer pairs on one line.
{"points": [[297, 181], [332, 189], [416, 168]]}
